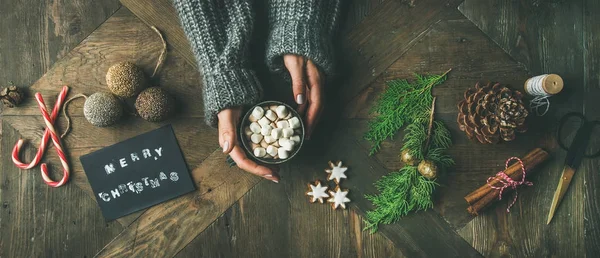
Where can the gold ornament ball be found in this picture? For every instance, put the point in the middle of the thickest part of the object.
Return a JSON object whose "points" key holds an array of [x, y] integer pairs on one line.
{"points": [[407, 158], [155, 104], [428, 169], [125, 79]]}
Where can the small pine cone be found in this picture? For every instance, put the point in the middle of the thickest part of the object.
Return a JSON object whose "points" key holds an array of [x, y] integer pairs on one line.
{"points": [[11, 96], [492, 113]]}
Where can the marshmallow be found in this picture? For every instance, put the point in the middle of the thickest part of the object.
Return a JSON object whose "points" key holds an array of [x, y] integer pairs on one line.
{"points": [[272, 150], [266, 130], [256, 138], [276, 133], [252, 119], [264, 144], [269, 139], [281, 111], [283, 154], [270, 115], [286, 144], [287, 132], [258, 112], [273, 108], [247, 131], [294, 122], [295, 138], [264, 121], [276, 144], [260, 152], [254, 146], [255, 127], [283, 124], [288, 116]]}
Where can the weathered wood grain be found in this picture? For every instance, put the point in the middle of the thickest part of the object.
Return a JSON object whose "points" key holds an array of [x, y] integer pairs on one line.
{"points": [[276, 220], [548, 37], [590, 168], [165, 229], [35, 34], [38, 221]]}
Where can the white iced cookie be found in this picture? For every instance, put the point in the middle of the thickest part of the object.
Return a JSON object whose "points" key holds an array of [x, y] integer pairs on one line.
{"points": [[338, 198], [258, 112], [336, 172], [255, 127], [295, 138], [269, 139], [294, 122], [287, 132], [260, 152], [276, 133], [281, 111], [256, 138], [264, 121], [269, 114], [283, 153], [266, 130], [317, 192], [272, 150], [283, 124]]}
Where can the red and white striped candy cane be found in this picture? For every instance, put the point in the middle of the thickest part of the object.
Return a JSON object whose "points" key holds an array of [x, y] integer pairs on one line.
{"points": [[50, 132], [46, 136]]}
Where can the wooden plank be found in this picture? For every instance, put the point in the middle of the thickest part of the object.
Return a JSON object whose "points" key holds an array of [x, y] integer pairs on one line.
{"points": [[165, 229], [548, 38], [276, 220], [379, 40], [591, 57], [37, 221], [84, 70], [35, 34]]}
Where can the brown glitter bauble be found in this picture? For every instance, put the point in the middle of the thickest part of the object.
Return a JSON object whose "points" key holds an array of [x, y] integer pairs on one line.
{"points": [[407, 158], [102, 109], [125, 79], [428, 169], [155, 104]]}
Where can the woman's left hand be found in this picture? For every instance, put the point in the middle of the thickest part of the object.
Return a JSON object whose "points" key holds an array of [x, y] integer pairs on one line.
{"points": [[307, 86]]}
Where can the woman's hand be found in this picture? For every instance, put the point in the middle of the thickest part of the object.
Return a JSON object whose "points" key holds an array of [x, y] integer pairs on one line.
{"points": [[307, 87], [228, 122]]}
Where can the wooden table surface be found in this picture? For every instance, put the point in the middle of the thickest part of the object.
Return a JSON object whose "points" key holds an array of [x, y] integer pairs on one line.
{"points": [[47, 44]]}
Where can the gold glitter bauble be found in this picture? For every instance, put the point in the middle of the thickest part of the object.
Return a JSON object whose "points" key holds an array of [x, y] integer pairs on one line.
{"points": [[155, 104], [428, 169], [125, 79], [407, 158]]}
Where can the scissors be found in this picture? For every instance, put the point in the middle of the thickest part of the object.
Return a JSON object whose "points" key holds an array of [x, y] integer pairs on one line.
{"points": [[575, 153]]}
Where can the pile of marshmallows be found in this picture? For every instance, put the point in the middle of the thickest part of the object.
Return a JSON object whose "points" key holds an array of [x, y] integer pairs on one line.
{"points": [[273, 131]]}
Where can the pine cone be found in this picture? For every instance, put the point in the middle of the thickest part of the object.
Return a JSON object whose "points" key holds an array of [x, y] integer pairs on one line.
{"points": [[492, 113], [11, 96]]}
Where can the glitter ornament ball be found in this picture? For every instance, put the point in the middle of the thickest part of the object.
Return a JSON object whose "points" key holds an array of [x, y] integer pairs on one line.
{"points": [[102, 109], [428, 169], [155, 104], [407, 158], [125, 79]]}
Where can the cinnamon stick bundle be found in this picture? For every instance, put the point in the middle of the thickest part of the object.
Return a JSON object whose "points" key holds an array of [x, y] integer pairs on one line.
{"points": [[485, 195]]}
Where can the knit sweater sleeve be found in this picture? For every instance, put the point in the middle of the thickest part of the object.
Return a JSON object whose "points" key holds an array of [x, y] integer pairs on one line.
{"points": [[219, 33], [304, 28]]}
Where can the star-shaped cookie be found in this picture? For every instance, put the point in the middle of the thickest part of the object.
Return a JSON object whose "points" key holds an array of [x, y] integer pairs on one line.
{"points": [[336, 172], [338, 198], [317, 192]]}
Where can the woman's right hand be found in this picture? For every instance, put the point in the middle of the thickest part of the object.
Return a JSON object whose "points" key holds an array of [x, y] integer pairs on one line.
{"points": [[228, 122]]}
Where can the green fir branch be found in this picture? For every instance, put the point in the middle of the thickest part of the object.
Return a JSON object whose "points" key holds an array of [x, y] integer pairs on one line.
{"points": [[400, 104]]}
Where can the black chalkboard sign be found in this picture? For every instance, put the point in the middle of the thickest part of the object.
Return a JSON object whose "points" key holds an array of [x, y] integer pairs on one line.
{"points": [[137, 173]]}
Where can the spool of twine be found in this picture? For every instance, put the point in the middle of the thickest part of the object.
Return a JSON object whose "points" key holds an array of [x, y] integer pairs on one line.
{"points": [[541, 87]]}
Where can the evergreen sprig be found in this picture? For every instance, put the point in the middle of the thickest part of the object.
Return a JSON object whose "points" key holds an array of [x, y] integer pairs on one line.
{"points": [[399, 105], [407, 190]]}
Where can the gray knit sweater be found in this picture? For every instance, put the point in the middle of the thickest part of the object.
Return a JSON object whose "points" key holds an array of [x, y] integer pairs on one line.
{"points": [[219, 32]]}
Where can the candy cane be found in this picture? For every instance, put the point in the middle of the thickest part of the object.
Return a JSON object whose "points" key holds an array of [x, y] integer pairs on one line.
{"points": [[50, 132]]}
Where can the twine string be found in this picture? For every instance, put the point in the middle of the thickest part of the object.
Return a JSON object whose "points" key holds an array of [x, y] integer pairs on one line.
{"points": [[163, 53], [509, 182], [535, 87], [66, 113]]}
